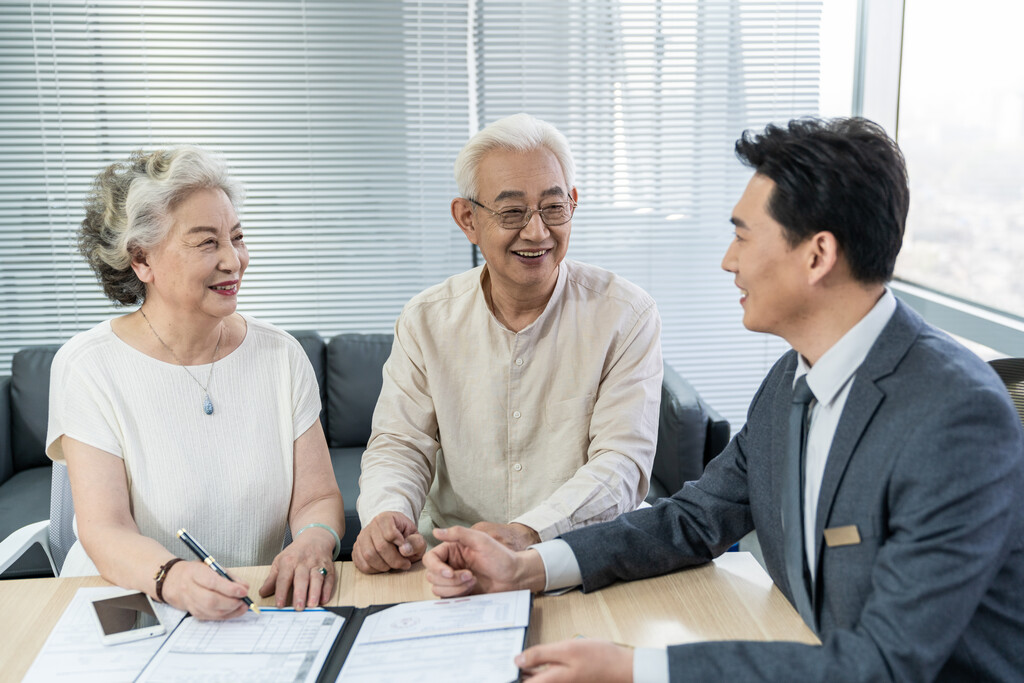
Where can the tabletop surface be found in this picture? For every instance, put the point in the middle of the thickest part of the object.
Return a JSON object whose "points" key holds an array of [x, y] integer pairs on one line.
{"points": [[729, 599]]}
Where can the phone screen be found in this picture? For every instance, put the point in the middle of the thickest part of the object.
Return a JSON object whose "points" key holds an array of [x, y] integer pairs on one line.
{"points": [[125, 613]]}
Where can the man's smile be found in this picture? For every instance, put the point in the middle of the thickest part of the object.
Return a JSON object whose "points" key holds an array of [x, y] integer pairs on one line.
{"points": [[531, 254]]}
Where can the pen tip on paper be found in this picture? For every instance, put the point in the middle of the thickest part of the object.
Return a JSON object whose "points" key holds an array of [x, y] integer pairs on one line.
{"points": [[255, 608]]}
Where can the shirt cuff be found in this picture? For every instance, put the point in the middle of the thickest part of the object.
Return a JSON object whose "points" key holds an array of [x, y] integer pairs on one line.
{"points": [[650, 665], [548, 523], [368, 512], [561, 570]]}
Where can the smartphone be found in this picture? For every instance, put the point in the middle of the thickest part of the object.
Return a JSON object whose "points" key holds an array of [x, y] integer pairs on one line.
{"points": [[127, 617]]}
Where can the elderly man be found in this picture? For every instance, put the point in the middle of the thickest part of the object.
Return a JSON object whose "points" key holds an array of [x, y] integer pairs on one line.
{"points": [[520, 398], [882, 463]]}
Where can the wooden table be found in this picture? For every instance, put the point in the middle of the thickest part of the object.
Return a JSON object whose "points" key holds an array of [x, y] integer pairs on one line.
{"points": [[730, 599]]}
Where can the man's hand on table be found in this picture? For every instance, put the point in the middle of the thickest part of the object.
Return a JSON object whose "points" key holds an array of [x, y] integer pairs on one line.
{"points": [[515, 535], [593, 661], [390, 541], [471, 561]]}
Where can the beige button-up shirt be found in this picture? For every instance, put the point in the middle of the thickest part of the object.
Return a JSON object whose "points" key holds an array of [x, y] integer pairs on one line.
{"points": [[553, 427]]}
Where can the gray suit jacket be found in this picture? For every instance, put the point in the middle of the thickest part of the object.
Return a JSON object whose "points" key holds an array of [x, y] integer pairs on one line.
{"points": [[927, 461]]}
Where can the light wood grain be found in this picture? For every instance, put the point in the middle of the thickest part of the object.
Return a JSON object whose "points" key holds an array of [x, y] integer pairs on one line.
{"points": [[361, 590], [730, 599]]}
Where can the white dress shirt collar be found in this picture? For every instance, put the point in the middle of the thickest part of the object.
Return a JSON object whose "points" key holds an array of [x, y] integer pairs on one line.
{"points": [[835, 368]]}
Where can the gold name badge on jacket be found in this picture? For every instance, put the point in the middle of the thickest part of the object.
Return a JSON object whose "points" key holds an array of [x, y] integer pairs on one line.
{"points": [[842, 535]]}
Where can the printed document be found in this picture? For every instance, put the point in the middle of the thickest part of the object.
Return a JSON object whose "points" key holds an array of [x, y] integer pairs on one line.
{"points": [[471, 639], [273, 647]]}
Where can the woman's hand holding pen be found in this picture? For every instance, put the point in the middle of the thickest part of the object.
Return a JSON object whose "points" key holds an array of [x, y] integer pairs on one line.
{"points": [[298, 567], [193, 587]]}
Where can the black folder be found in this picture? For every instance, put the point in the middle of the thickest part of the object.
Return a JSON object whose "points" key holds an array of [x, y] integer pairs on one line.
{"points": [[354, 617]]}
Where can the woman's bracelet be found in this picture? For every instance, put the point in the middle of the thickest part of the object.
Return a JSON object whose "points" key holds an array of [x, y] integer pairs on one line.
{"points": [[337, 539], [161, 574]]}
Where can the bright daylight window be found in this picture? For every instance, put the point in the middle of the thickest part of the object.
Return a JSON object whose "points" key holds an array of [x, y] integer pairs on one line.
{"points": [[961, 127]]}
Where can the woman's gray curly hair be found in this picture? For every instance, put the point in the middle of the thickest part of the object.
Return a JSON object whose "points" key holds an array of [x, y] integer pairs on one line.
{"points": [[129, 209]]}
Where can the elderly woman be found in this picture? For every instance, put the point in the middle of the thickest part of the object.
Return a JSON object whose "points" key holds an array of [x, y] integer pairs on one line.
{"points": [[186, 413]]}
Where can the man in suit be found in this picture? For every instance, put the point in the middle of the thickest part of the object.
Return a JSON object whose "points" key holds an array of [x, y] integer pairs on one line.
{"points": [[890, 516]]}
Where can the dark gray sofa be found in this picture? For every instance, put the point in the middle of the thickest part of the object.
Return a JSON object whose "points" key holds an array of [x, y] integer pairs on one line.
{"points": [[348, 370]]}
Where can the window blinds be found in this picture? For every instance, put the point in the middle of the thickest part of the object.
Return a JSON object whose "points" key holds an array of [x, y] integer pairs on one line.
{"points": [[652, 96], [343, 120]]}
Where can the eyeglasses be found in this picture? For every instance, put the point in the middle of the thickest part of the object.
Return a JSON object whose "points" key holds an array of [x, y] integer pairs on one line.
{"points": [[518, 217]]}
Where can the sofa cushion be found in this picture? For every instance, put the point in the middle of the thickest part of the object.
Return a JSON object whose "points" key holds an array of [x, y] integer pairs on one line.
{"points": [[30, 403], [6, 461], [24, 499], [354, 379], [346, 471], [313, 344]]}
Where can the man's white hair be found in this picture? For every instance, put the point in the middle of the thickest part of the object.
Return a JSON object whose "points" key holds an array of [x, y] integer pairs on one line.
{"points": [[517, 133]]}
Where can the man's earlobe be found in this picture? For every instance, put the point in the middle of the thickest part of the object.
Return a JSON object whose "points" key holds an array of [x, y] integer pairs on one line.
{"points": [[823, 255], [462, 214]]}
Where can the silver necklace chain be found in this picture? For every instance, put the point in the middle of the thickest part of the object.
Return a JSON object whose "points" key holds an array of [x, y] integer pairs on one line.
{"points": [[207, 403]]}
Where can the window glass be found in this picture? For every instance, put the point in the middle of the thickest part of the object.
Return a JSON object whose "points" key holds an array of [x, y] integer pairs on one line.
{"points": [[961, 127]]}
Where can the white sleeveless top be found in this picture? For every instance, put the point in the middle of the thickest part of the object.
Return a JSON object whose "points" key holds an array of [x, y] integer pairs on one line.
{"points": [[226, 477]]}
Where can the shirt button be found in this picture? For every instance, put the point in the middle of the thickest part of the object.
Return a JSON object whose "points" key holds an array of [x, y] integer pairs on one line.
{"points": [[517, 467], [517, 415], [519, 361]]}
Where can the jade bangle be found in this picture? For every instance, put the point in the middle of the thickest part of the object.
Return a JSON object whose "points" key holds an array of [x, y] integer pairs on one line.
{"points": [[337, 539]]}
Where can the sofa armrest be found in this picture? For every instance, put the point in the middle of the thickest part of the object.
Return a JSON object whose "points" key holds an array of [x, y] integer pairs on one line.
{"points": [[682, 431], [689, 432], [719, 433], [6, 453], [16, 545]]}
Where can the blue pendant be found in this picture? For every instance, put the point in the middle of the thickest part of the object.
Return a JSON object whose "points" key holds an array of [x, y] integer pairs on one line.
{"points": [[207, 405]]}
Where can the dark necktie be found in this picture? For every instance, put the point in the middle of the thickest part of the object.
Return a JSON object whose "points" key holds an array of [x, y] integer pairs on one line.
{"points": [[792, 501]]}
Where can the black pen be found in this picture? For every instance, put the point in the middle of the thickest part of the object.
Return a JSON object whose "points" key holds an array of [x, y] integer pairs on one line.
{"points": [[201, 553]]}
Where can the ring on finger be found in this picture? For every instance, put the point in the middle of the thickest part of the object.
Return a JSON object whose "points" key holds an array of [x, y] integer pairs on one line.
{"points": [[323, 571]]}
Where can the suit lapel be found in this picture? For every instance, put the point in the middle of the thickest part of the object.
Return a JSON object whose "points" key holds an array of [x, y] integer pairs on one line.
{"points": [[862, 404]]}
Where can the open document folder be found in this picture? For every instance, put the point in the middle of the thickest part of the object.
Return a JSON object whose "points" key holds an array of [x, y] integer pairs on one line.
{"points": [[461, 639], [464, 639]]}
